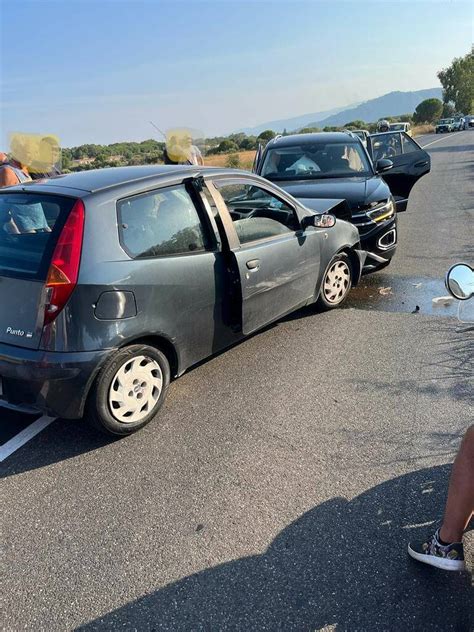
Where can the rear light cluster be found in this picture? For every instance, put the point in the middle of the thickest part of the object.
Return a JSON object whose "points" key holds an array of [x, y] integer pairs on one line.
{"points": [[64, 269]]}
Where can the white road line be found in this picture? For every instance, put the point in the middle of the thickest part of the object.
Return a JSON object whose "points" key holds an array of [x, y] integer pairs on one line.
{"points": [[438, 140], [24, 436]]}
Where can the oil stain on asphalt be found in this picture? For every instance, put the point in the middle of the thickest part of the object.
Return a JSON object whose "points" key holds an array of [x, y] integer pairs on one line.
{"points": [[411, 295]]}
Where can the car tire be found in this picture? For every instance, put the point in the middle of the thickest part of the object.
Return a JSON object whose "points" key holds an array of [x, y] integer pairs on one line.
{"points": [[336, 283], [129, 390]]}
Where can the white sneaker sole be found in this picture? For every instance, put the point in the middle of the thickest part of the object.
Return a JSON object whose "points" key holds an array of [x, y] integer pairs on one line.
{"points": [[439, 562]]}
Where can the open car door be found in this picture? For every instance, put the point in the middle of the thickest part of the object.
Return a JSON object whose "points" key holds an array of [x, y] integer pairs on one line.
{"points": [[410, 163], [257, 159]]}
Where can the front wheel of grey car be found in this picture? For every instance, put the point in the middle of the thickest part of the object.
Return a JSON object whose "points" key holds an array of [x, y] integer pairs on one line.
{"points": [[336, 283], [129, 390]]}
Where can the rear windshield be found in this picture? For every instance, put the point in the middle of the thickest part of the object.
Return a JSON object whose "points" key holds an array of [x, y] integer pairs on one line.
{"points": [[29, 227]]}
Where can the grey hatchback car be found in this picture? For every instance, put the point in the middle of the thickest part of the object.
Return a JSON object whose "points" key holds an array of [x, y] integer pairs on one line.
{"points": [[114, 281]]}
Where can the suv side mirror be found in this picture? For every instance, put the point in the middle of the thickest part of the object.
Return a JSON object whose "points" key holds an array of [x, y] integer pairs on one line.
{"points": [[325, 220], [383, 165], [460, 281]]}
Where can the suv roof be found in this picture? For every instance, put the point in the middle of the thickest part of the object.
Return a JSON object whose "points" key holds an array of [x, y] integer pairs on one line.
{"points": [[330, 137]]}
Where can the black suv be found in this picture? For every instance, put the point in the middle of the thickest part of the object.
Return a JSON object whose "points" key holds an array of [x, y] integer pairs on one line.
{"points": [[375, 181]]}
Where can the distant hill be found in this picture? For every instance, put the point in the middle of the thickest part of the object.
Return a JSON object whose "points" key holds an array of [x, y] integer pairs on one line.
{"points": [[291, 124], [391, 104]]}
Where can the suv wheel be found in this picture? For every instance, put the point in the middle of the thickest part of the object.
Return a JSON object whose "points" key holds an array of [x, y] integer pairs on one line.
{"points": [[336, 283], [129, 390]]}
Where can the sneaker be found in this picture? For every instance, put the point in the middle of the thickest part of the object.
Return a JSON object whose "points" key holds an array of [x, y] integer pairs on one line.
{"points": [[449, 557]]}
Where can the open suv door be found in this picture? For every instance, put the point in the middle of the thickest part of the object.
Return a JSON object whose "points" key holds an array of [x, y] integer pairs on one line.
{"points": [[410, 163]]}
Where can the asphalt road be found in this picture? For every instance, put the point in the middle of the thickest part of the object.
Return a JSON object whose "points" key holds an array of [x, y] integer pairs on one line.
{"points": [[286, 476]]}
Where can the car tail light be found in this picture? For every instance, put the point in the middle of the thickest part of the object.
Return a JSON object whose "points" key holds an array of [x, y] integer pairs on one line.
{"points": [[64, 267]]}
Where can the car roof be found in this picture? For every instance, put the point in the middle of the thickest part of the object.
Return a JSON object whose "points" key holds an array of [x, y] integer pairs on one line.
{"points": [[95, 180], [308, 139]]}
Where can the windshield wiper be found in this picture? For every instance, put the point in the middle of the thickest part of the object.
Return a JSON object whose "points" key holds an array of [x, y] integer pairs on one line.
{"points": [[318, 176]]}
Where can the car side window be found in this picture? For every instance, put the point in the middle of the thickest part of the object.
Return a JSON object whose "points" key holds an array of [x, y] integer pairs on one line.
{"points": [[164, 222], [387, 145], [409, 145], [255, 212]]}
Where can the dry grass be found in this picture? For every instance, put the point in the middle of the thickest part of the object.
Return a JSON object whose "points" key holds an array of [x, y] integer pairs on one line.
{"points": [[418, 130], [220, 160]]}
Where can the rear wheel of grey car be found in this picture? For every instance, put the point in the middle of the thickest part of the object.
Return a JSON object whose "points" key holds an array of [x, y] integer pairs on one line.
{"points": [[129, 391], [336, 283]]}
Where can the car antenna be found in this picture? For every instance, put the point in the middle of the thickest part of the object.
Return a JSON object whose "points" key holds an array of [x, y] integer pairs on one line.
{"points": [[159, 130]]}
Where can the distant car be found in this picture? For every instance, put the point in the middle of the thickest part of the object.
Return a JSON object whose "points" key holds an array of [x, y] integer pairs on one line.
{"points": [[458, 123], [401, 127], [134, 274], [375, 181], [363, 134], [444, 125], [468, 121]]}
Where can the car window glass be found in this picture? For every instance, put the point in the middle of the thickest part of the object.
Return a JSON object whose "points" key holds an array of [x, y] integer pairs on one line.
{"points": [[164, 222], [29, 227], [409, 145], [386, 146], [315, 160], [256, 213]]}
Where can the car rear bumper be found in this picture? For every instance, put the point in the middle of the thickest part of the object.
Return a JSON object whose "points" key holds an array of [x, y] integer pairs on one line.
{"points": [[56, 384]]}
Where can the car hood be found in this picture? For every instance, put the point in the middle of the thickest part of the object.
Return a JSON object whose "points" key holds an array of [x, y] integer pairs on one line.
{"points": [[357, 191]]}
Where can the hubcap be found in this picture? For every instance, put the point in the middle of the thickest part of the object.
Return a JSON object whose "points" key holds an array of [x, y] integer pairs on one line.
{"points": [[337, 282], [135, 389]]}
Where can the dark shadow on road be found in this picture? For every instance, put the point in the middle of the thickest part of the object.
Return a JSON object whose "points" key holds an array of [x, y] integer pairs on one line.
{"points": [[62, 440], [342, 564]]}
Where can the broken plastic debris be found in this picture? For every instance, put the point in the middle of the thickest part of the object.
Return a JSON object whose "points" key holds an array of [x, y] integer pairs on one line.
{"points": [[442, 301], [417, 284], [384, 291]]}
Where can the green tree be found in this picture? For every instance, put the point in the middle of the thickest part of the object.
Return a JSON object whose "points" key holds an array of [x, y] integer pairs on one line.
{"points": [[233, 161], [226, 145], [448, 110], [267, 135], [357, 124], [249, 143], [428, 111], [458, 83]]}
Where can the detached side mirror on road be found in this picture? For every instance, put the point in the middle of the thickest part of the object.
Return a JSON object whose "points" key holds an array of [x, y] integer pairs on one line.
{"points": [[460, 281], [325, 220], [383, 165]]}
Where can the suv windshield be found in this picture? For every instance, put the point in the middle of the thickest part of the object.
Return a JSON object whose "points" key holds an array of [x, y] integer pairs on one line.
{"points": [[29, 227], [316, 160]]}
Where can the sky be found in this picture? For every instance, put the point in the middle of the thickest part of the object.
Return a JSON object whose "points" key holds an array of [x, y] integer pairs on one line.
{"points": [[97, 71]]}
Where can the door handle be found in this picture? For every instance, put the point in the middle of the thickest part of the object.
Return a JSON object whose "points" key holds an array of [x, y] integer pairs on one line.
{"points": [[253, 264], [422, 163]]}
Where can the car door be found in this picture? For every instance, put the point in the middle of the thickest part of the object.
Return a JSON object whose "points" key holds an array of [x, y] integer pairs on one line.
{"points": [[276, 261], [410, 163], [257, 159]]}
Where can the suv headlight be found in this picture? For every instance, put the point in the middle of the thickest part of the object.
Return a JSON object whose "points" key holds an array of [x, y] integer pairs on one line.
{"points": [[378, 211]]}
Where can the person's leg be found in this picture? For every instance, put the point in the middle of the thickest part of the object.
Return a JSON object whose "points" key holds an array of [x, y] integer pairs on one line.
{"points": [[460, 502], [444, 549]]}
